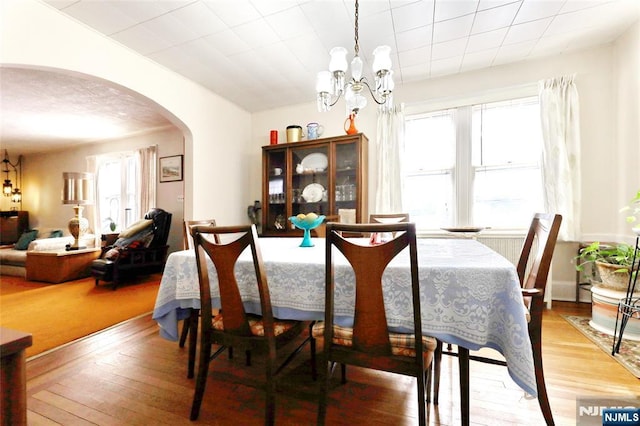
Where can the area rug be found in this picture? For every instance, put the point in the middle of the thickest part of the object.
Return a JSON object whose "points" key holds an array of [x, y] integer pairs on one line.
{"points": [[629, 356], [56, 314]]}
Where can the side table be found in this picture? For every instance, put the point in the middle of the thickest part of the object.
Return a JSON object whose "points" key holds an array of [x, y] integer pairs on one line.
{"points": [[13, 375], [56, 266]]}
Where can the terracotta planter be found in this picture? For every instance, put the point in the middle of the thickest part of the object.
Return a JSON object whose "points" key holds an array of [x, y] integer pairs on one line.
{"points": [[611, 279]]}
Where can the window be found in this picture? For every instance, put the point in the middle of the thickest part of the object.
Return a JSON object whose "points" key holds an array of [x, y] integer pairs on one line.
{"points": [[118, 191], [474, 165]]}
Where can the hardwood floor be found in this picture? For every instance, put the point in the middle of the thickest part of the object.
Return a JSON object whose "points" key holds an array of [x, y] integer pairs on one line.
{"points": [[129, 375]]}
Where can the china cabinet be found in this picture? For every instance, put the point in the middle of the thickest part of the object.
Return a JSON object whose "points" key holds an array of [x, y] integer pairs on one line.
{"points": [[325, 176]]}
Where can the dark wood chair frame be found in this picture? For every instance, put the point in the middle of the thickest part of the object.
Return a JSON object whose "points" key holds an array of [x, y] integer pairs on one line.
{"points": [[237, 331], [371, 346], [544, 227], [401, 217], [190, 324]]}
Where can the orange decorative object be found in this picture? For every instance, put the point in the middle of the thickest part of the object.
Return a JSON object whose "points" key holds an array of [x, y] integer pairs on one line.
{"points": [[351, 130]]}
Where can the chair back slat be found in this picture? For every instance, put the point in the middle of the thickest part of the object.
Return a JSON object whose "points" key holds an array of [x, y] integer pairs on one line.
{"points": [[369, 262], [187, 240], [388, 217], [224, 256], [544, 228]]}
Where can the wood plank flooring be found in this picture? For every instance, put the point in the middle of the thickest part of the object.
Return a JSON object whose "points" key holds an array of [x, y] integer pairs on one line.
{"points": [[129, 375]]}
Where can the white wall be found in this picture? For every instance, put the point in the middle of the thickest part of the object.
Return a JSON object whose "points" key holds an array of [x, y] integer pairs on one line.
{"points": [[626, 56], [33, 34]]}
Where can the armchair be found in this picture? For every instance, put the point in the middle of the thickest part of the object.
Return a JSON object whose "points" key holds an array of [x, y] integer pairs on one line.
{"points": [[140, 249]]}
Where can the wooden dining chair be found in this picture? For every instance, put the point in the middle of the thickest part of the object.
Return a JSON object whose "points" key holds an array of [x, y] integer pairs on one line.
{"points": [[321, 230], [190, 323], [369, 343], [233, 326], [388, 217], [543, 229], [187, 239]]}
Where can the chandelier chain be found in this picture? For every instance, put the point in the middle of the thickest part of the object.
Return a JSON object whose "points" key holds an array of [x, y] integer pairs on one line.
{"points": [[357, 46]]}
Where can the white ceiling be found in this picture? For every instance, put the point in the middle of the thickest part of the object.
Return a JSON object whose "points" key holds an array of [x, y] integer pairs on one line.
{"points": [[263, 54]]}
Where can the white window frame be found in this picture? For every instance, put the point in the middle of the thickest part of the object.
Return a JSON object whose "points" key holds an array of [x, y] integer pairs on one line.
{"points": [[463, 177], [127, 213]]}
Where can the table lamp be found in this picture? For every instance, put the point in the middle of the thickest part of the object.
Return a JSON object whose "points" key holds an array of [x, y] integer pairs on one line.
{"points": [[77, 189]]}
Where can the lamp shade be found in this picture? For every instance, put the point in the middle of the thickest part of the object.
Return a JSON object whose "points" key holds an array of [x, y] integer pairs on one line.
{"points": [[77, 188], [338, 61], [381, 59]]}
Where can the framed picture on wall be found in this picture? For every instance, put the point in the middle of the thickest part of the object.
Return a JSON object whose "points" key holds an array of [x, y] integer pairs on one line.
{"points": [[171, 168]]}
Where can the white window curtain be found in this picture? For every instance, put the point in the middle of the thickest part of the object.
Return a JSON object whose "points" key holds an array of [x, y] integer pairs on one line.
{"points": [[390, 141], [560, 118], [93, 215], [147, 158]]}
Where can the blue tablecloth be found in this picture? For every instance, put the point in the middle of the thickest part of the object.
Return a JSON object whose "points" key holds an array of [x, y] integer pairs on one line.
{"points": [[470, 294]]}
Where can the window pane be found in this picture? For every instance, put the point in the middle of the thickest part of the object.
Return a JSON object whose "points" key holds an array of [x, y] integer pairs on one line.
{"points": [[506, 150], [428, 164], [119, 193], [430, 142], [506, 197], [428, 198], [506, 132], [109, 192]]}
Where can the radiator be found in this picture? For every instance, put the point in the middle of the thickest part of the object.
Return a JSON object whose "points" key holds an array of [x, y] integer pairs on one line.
{"points": [[508, 246]]}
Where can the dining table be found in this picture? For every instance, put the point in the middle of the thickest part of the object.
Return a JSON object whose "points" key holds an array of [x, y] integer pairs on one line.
{"points": [[470, 295]]}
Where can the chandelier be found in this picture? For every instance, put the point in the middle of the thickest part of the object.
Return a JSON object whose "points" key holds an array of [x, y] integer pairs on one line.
{"points": [[330, 85], [7, 186]]}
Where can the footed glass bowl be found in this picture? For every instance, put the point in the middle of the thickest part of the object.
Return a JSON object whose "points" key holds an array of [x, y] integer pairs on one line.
{"points": [[306, 226]]}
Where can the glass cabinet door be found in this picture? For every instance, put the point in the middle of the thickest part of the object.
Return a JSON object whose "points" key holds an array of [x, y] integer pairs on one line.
{"points": [[346, 190], [276, 191], [310, 180]]}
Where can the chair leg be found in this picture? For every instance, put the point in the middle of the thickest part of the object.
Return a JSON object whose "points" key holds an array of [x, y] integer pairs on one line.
{"points": [[422, 413], [437, 366], [312, 348], [270, 403], [343, 370], [322, 405], [543, 399], [463, 362], [185, 331], [193, 341], [201, 380]]}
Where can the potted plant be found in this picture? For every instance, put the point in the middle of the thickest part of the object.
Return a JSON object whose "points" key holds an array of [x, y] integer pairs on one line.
{"points": [[112, 224], [613, 262]]}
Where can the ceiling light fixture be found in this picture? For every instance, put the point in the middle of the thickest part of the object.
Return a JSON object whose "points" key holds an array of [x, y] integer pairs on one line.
{"points": [[7, 186], [330, 85]]}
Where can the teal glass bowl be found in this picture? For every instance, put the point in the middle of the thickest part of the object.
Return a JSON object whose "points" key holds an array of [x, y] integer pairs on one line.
{"points": [[306, 226]]}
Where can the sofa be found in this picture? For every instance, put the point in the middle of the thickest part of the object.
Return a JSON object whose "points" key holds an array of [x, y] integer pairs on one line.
{"points": [[13, 258]]}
